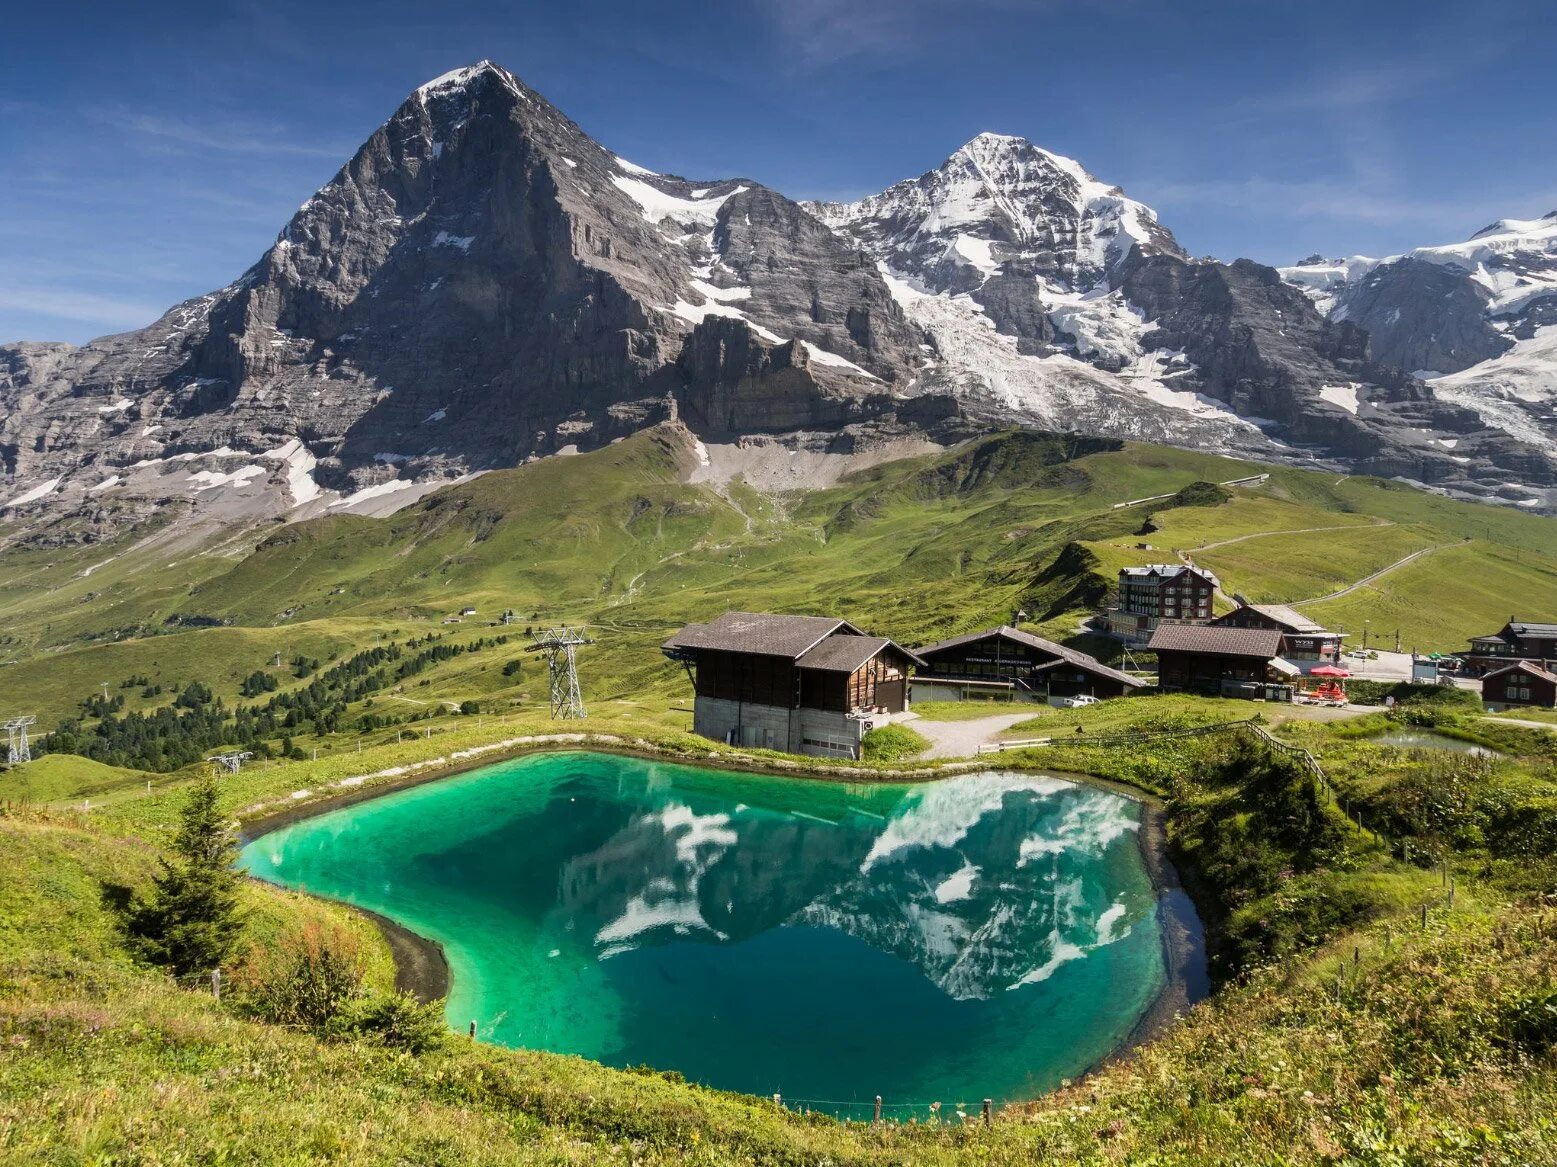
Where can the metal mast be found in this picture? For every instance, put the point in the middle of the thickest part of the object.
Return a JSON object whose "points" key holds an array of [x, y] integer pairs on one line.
{"points": [[18, 750], [231, 761], [560, 646]]}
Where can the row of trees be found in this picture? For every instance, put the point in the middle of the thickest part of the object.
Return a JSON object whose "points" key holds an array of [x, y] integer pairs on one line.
{"points": [[197, 722]]}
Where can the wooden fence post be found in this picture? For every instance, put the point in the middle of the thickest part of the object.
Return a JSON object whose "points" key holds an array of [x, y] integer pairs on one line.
{"points": [[216, 983], [472, 1031], [877, 1119], [778, 1101], [986, 1111]]}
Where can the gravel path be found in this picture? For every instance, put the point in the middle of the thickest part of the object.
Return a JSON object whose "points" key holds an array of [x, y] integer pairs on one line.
{"points": [[962, 739], [1349, 589]]}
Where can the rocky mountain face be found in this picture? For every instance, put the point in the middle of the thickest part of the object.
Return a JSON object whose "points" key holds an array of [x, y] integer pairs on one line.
{"points": [[1056, 299], [1476, 320], [480, 284], [483, 283]]}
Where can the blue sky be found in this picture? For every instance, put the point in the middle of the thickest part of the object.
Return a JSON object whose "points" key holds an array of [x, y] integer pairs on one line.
{"points": [[151, 152]]}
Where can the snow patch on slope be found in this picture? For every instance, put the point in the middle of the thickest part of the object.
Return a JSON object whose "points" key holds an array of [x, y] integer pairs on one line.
{"points": [[658, 205], [1502, 390]]}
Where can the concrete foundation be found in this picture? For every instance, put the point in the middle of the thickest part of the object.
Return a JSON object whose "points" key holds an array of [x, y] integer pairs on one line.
{"points": [[820, 733]]}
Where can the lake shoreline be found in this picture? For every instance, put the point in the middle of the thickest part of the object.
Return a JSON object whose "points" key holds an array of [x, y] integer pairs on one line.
{"points": [[422, 967], [1186, 979]]}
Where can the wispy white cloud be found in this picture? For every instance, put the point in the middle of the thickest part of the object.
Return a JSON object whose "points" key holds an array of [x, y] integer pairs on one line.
{"points": [[228, 137], [825, 32], [109, 313]]}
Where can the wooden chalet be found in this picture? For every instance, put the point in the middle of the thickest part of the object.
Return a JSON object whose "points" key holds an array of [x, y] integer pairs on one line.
{"points": [[1516, 640], [1523, 685], [1302, 640], [1221, 662], [802, 684], [1006, 662]]}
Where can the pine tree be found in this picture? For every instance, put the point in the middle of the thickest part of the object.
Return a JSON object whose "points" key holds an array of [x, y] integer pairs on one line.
{"points": [[191, 923]]}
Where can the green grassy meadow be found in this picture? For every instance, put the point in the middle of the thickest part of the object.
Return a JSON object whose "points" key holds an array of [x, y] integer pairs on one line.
{"points": [[1342, 1031], [918, 549]]}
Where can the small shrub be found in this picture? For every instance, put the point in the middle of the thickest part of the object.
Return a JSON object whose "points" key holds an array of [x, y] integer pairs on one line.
{"points": [[309, 979], [397, 1020], [1531, 1023]]}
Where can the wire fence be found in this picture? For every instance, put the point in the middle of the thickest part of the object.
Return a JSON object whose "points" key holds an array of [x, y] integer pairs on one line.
{"points": [[877, 1110]]}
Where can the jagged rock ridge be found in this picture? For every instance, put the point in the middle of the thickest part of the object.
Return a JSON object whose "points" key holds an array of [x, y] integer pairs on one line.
{"points": [[484, 283]]}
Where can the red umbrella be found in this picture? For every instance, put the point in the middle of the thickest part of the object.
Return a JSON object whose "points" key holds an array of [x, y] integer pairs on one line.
{"points": [[1328, 671]]}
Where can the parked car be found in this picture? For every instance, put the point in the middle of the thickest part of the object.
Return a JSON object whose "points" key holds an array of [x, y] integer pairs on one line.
{"points": [[1080, 700]]}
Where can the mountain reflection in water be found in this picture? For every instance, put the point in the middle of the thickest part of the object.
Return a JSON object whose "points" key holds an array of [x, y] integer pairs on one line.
{"points": [[990, 932]]}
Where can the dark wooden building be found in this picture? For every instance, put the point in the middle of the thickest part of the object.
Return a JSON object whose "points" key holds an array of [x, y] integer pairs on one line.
{"points": [[1519, 686], [1217, 661], [1161, 591], [1007, 662], [802, 684], [1302, 639], [1516, 640]]}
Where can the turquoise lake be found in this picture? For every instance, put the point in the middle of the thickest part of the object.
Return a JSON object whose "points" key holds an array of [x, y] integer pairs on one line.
{"points": [[982, 936]]}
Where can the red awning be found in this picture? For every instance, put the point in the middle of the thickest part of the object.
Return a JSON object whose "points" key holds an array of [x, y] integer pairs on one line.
{"points": [[1328, 671]]}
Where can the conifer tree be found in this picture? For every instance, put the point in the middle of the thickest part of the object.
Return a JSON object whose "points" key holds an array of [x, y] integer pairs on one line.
{"points": [[191, 922]]}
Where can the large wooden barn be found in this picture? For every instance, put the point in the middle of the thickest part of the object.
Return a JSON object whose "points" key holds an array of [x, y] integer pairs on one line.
{"points": [[1231, 662], [802, 684], [1006, 662]]}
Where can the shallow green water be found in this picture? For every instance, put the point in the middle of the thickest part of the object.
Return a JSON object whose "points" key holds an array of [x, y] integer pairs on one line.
{"points": [[1426, 739], [983, 936]]}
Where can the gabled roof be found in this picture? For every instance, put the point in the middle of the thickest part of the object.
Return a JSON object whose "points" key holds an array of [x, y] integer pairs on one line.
{"points": [[1169, 571], [1290, 619], [1069, 655], [1531, 628], [819, 643], [1523, 666], [1215, 640], [760, 633], [844, 654]]}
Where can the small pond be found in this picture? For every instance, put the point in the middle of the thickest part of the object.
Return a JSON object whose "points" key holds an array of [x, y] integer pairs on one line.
{"points": [[982, 936], [1426, 739]]}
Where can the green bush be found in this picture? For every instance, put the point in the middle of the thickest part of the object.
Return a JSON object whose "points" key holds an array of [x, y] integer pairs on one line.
{"points": [[1409, 693], [309, 980], [893, 743], [397, 1020], [1262, 838]]}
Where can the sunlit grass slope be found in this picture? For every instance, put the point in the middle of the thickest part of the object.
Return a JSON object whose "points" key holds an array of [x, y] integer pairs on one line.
{"points": [[619, 539]]}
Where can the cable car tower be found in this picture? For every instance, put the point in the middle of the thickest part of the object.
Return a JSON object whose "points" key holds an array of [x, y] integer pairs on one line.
{"points": [[17, 748], [560, 646], [232, 761]]}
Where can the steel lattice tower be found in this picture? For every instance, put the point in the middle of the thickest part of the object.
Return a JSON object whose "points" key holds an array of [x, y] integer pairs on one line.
{"points": [[560, 646], [232, 761], [18, 749]]}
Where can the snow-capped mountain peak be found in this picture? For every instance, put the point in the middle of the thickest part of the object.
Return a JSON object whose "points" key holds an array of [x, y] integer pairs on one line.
{"points": [[999, 204]]}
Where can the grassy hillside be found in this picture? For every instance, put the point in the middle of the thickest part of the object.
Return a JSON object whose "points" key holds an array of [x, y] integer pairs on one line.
{"points": [[917, 549], [1356, 1034]]}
